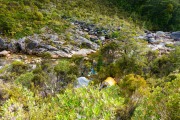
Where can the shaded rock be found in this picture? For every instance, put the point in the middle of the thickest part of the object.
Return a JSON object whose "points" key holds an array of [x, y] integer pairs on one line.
{"points": [[151, 40], [14, 47], [176, 36], [2, 45], [66, 49], [48, 47], [21, 44], [88, 43], [32, 44]]}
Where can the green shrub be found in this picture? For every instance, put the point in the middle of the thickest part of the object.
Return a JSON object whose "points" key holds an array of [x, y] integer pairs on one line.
{"points": [[18, 67], [46, 55], [170, 45], [40, 77], [162, 103], [38, 15], [88, 103], [82, 103], [62, 66], [130, 83], [159, 65], [25, 79]]}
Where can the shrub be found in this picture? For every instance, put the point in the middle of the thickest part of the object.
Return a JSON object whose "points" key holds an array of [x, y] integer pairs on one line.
{"points": [[25, 79], [40, 77], [130, 83], [89, 103], [82, 103], [62, 67], [162, 103], [18, 67], [38, 15], [159, 66], [46, 55]]}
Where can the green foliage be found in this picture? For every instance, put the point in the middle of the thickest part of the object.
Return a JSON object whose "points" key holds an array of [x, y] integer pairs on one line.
{"points": [[130, 83], [99, 62], [87, 103], [162, 103], [25, 79], [159, 66], [108, 52], [158, 15], [22, 18], [18, 67], [132, 58], [123, 58], [46, 55], [39, 77], [66, 72], [62, 67], [38, 15]]}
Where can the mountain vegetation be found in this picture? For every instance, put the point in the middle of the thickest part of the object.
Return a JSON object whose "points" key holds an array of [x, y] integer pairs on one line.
{"points": [[156, 15], [148, 83]]}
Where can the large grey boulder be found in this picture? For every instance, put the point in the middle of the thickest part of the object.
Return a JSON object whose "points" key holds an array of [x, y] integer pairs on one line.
{"points": [[160, 34], [176, 36], [82, 82], [32, 44], [32, 47], [14, 47]]}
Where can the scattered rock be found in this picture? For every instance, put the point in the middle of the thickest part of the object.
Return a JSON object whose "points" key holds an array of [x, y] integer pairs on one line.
{"points": [[160, 34], [161, 41], [88, 43], [4, 53], [83, 52], [102, 38]]}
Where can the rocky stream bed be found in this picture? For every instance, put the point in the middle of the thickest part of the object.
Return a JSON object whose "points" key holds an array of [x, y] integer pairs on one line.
{"points": [[82, 39]]}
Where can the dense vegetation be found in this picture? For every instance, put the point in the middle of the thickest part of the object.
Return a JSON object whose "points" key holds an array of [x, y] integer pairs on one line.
{"points": [[148, 83], [21, 17], [156, 14]]}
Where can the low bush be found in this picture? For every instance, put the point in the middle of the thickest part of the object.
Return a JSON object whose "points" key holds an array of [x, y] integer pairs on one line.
{"points": [[82, 103]]}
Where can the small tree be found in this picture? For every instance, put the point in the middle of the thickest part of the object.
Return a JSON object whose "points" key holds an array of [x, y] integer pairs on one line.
{"points": [[61, 69]]}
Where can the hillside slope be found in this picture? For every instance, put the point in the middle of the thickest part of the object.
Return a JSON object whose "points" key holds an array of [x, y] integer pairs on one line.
{"points": [[155, 14], [87, 60], [20, 17]]}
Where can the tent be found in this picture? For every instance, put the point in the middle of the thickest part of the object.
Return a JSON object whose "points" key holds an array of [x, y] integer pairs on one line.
{"points": [[109, 81], [82, 82]]}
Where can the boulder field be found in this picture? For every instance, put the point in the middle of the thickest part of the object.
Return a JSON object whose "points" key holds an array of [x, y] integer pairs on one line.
{"points": [[81, 39]]}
